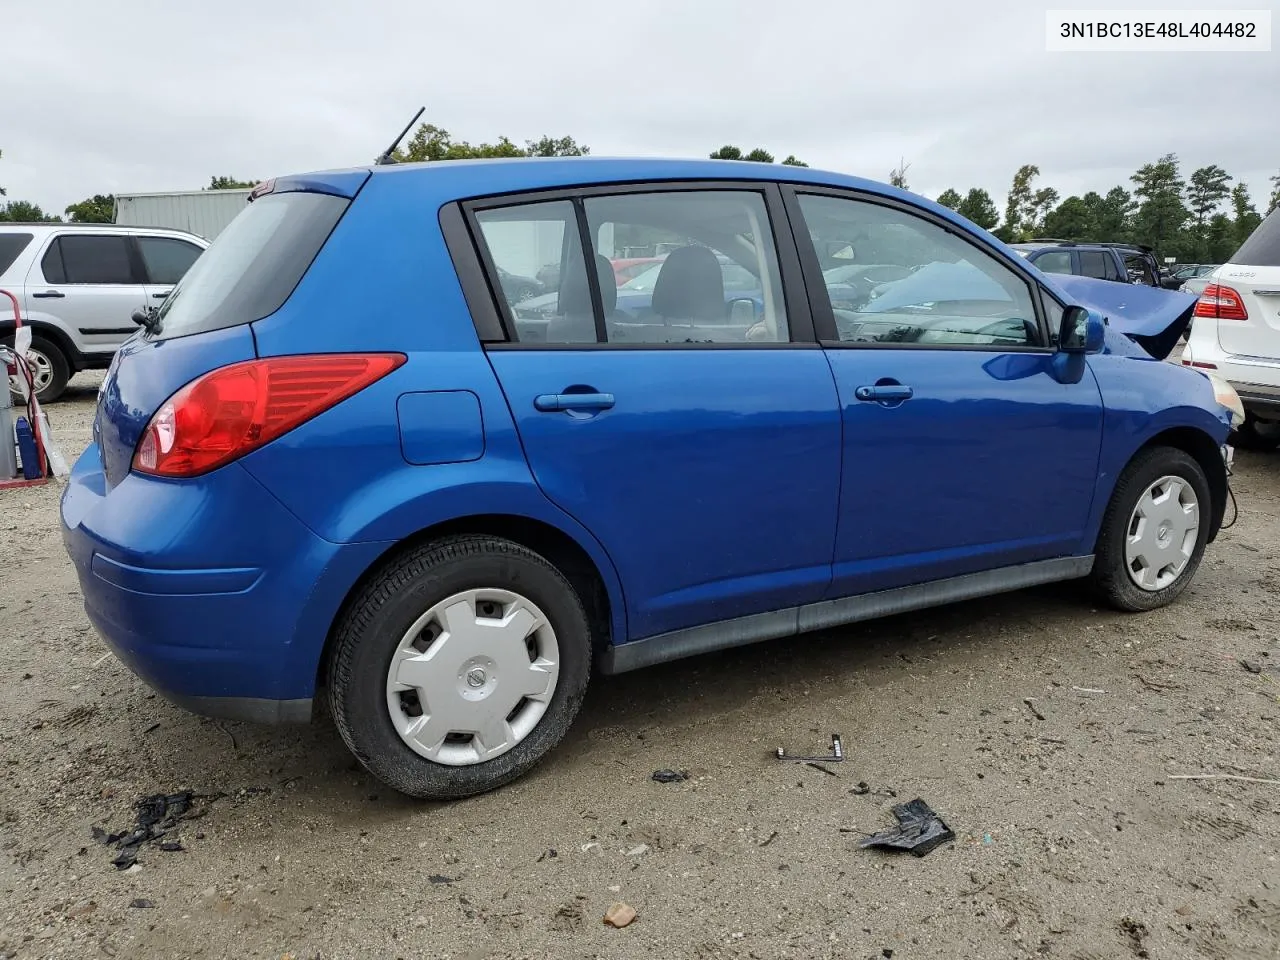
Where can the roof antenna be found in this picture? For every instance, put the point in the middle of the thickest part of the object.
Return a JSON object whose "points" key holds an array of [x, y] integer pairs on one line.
{"points": [[386, 157]]}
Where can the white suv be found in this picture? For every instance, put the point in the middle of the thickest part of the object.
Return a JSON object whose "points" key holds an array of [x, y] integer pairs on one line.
{"points": [[79, 285], [1236, 331]]}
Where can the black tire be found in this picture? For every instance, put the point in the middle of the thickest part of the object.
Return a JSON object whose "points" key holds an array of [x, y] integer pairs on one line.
{"points": [[405, 589], [1110, 575], [59, 369], [1255, 434]]}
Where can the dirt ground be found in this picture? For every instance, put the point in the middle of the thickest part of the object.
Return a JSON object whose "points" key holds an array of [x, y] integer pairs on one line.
{"points": [[1074, 839]]}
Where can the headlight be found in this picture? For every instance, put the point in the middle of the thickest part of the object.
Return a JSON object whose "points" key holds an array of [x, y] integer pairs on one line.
{"points": [[1226, 395]]}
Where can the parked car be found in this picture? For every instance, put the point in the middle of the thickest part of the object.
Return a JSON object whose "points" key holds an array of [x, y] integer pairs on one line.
{"points": [[1121, 262], [330, 466], [1236, 332], [79, 286], [1189, 271], [624, 268]]}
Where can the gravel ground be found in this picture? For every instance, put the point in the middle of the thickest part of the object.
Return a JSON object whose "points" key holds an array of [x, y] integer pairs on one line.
{"points": [[1073, 837]]}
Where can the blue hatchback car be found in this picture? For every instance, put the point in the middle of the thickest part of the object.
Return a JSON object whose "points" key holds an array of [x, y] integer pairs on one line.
{"points": [[331, 463]]}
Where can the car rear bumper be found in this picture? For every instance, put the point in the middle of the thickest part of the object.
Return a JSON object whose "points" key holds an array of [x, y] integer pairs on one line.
{"points": [[208, 589]]}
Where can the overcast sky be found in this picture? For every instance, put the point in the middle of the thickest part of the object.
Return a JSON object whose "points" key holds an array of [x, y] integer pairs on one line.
{"points": [[148, 95]]}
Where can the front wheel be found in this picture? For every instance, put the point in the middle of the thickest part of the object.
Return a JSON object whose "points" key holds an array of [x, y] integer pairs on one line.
{"points": [[459, 666], [1154, 531]]}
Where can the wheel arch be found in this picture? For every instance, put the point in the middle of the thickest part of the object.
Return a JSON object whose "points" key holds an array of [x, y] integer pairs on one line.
{"points": [[600, 594], [1206, 452], [54, 334]]}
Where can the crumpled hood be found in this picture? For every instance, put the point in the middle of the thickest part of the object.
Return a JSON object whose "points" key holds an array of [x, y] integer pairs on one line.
{"points": [[1152, 317]]}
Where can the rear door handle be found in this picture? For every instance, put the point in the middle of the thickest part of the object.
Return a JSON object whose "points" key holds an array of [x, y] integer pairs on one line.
{"points": [[553, 402], [49, 295], [888, 392], [161, 296]]}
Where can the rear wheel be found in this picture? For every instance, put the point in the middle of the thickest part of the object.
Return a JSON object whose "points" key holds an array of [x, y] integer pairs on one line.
{"points": [[50, 370], [1255, 434], [1154, 531], [459, 666]]}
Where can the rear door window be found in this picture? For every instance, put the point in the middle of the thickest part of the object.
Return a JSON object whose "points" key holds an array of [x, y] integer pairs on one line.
{"points": [[167, 259], [1262, 249], [12, 244], [1055, 261], [88, 260], [251, 269], [1093, 263]]}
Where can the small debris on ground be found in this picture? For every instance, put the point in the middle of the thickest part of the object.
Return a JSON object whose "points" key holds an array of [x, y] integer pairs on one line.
{"points": [[670, 776], [836, 755], [919, 830], [437, 878], [638, 851], [861, 788], [140, 904], [1031, 705], [1136, 931], [619, 915], [156, 816]]}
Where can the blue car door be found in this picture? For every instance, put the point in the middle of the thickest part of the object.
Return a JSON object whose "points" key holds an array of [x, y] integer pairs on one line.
{"points": [[696, 434], [968, 444]]}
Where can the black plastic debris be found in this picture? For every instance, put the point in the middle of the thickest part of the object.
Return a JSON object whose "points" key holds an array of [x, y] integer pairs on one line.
{"points": [[138, 903], [670, 776], [919, 830], [437, 878], [157, 816]]}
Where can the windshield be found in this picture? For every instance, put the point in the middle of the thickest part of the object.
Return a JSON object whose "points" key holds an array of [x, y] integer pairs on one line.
{"points": [[253, 265]]}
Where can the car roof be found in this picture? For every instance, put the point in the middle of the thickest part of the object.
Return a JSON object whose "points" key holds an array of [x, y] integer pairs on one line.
{"points": [[459, 179], [100, 227]]}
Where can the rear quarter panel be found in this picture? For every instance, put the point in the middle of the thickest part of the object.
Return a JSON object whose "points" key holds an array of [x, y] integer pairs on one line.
{"points": [[385, 282], [1142, 398]]}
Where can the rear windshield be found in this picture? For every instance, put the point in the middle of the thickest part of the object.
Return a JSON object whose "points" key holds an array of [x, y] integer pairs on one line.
{"points": [[12, 244], [1262, 249], [253, 265]]}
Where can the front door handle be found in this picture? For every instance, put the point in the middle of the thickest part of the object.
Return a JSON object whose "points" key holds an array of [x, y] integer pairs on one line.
{"points": [[161, 296], [553, 402], [49, 295], [895, 391]]}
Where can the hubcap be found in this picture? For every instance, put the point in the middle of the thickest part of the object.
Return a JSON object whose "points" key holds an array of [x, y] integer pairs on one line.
{"points": [[473, 676], [1162, 533], [41, 372]]}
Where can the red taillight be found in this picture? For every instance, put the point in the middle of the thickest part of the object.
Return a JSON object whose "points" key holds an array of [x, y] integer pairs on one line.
{"points": [[1220, 303], [232, 410]]}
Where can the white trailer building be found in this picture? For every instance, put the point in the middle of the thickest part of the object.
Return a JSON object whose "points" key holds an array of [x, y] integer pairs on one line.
{"points": [[202, 212]]}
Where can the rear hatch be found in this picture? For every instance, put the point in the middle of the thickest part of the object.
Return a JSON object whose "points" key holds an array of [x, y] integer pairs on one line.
{"points": [[247, 274], [1251, 327]]}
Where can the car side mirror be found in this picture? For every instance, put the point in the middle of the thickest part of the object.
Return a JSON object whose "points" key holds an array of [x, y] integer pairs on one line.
{"points": [[742, 312], [1082, 331]]}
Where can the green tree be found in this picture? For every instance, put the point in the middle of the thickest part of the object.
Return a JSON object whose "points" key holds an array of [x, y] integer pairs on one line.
{"points": [[1110, 215], [950, 198], [1071, 220], [1018, 205], [229, 183], [1275, 193], [97, 209], [1247, 217], [1161, 212], [898, 175], [1220, 239], [2, 191], [758, 155], [20, 211], [1205, 192], [978, 207], [555, 147], [1042, 201]]}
